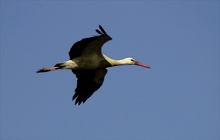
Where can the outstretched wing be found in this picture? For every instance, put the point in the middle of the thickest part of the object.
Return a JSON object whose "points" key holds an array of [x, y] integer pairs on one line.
{"points": [[89, 45], [88, 82]]}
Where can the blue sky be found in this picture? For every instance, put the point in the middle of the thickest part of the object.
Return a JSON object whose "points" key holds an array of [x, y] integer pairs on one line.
{"points": [[179, 98]]}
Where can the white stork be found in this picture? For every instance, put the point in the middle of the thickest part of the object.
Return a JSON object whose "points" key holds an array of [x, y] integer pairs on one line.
{"points": [[89, 64]]}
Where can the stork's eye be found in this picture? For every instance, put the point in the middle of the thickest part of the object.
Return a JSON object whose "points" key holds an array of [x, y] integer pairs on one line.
{"points": [[132, 59]]}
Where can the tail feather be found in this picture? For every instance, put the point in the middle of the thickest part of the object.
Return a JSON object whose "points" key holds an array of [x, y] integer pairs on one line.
{"points": [[59, 65]]}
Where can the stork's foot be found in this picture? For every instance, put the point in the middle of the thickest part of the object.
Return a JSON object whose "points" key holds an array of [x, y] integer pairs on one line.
{"points": [[47, 69], [43, 70]]}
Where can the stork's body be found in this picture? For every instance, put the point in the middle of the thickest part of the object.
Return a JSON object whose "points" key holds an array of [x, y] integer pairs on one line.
{"points": [[89, 65]]}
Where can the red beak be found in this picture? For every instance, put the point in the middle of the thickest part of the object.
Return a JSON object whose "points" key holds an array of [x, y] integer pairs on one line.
{"points": [[141, 64]]}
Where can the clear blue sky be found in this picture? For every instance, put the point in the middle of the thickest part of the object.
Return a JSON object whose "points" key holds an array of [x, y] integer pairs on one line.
{"points": [[178, 99]]}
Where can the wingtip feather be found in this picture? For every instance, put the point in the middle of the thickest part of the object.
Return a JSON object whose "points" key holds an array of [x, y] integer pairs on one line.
{"points": [[98, 32], [102, 29]]}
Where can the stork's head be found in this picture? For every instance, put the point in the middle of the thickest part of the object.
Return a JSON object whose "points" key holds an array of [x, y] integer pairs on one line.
{"points": [[132, 61]]}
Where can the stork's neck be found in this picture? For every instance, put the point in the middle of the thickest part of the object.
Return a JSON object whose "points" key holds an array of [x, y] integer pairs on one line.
{"points": [[120, 62], [114, 62]]}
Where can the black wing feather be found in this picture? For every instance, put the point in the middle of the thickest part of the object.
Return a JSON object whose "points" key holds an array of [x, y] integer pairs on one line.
{"points": [[78, 47], [99, 32], [100, 27], [88, 82]]}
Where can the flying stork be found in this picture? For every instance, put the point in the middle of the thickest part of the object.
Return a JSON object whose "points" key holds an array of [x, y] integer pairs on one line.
{"points": [[89, 64]]}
